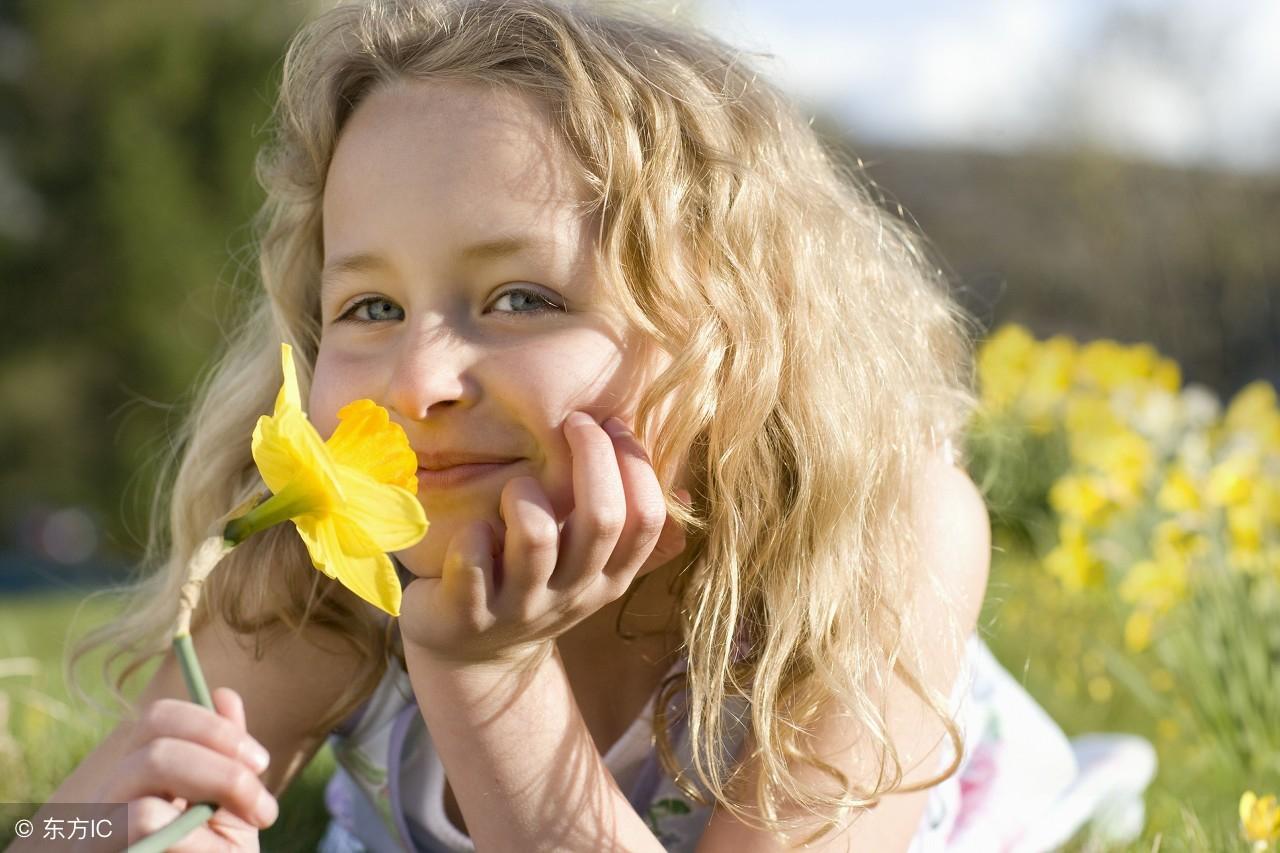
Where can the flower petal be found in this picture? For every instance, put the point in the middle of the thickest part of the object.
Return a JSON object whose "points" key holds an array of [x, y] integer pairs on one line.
{"points": [[288, 399], [366, 439], [373, 578], [284, 444], [389, 515]]}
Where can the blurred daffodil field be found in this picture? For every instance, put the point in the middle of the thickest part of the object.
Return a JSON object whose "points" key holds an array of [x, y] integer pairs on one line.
{"points": [[1136, 575]]}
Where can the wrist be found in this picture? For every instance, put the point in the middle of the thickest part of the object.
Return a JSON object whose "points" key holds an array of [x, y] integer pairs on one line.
{"points": [[505, 662]]}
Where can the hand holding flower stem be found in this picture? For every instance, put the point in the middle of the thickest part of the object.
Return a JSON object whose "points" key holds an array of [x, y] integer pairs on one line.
{"points": [[352, 499]]}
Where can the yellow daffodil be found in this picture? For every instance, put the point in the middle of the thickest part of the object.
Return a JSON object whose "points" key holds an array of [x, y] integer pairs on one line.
{"points": [[1232, 481], [1178, 492], [1260, 819], [1109, 365], [1253, 410], [352, 498], [1156, 584], [1081, 497], [1173, 540], [1004, 360], [1047, 382], [1072, 561]]}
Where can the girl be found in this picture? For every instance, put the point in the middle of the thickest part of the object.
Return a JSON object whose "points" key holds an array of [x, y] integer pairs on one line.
{"points": [[702, 569]]}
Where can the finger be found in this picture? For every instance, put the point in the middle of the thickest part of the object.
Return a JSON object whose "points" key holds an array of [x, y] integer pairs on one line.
{"points": [[151, 814], [531, 548], [599, 505], [188, 721], [179, 768], [229, 704], [646, 509], [469, 581], [671, 542]]}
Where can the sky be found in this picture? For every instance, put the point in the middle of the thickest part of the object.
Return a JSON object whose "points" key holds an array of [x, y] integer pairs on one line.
{"points": [[1182, 82]]}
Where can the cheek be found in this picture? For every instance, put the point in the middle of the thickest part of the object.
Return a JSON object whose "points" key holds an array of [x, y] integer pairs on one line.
{"points": [[323, 400]]}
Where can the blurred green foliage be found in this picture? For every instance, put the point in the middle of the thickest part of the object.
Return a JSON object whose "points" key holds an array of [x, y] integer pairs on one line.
{"points": [[130, 129]]}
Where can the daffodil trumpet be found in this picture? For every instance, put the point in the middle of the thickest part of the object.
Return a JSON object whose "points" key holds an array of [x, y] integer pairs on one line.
{"points": [[351, 498]]}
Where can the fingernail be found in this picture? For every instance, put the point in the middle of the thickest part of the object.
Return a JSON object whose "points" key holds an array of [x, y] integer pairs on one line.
{"points": [[257, 756], [266, 809], [614, 427], [580, 419]]}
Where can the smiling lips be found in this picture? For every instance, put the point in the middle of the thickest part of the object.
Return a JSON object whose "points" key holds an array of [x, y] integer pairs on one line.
{"points": [[438, 459], [443, 469]]}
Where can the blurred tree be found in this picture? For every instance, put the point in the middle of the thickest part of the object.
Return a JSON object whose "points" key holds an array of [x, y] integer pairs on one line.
{"points": [[133, 128]]}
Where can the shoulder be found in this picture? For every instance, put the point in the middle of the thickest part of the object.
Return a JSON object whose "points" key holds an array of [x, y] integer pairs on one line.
{"points": [[953, 532], [953, 535]]}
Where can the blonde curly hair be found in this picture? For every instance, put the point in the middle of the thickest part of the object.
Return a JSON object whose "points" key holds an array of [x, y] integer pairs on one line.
{"points": [[818, 360]]}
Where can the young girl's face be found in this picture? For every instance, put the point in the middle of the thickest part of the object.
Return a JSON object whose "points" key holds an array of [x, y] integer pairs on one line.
{"points": [[462, 292]]}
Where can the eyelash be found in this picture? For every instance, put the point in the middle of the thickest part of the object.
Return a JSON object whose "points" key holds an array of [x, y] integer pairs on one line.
{"points": [[348, 315]]}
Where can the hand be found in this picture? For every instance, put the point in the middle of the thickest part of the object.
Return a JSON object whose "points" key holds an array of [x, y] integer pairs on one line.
{"points": [[183, 754], [506, 604]]}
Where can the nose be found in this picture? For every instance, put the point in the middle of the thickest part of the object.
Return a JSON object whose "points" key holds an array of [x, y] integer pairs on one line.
{"points": [[432, 372]]}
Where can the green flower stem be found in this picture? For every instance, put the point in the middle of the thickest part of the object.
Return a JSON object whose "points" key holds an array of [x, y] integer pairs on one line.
{"points": [[297, 498], [182, 826], [203, 561], [191, 672], [197, 815]]}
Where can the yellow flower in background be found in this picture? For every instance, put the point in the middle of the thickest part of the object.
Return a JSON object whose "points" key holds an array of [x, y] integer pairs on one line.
{"points": [[1082, 497], [1167, 374], [1178, 492], [1121, 457], [1109, 365], [1048, 379], [1253, 410], [1072, 561], [1244, 523], [1259, 819], [1003, 362], [1101, 364], [1173, 540], [352, 499], [1232, 481], [1087, 415], [1156, 585]]}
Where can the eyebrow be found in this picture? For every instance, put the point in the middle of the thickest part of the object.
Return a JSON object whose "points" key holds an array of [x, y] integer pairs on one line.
{"points": [[485, 250]]}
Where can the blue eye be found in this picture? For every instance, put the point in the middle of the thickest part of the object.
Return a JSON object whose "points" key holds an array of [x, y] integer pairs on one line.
{"points": [[374, 302], [537, 303], [523, 300]]}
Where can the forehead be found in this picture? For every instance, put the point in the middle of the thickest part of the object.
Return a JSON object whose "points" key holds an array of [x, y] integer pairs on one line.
{"points": [[439, 153]]}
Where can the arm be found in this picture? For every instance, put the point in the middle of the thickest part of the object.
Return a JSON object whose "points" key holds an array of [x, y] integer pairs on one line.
{"points": [[482, 655], [955, 539], [521, 761]]}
